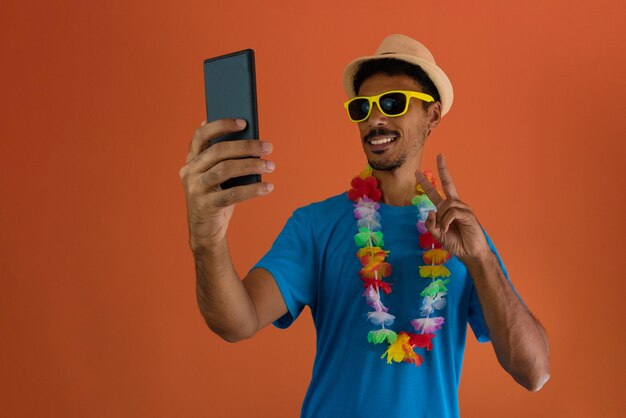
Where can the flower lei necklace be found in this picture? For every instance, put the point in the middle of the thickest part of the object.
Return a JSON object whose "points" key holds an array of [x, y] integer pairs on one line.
{"points": [[365, 194]]}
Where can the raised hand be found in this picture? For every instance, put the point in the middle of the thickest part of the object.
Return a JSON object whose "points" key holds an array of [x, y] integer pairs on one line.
{"points": [[454, 224], [209, 208]]}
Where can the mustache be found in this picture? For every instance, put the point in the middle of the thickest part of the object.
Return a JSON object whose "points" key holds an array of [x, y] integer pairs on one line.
{"points": [[379, 132]]}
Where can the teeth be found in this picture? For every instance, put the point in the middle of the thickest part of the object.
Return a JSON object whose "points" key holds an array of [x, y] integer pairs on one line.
{"points": [[381, 141]]}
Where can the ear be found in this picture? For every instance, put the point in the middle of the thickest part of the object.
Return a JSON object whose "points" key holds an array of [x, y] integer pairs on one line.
{"points": [[434, 115]]}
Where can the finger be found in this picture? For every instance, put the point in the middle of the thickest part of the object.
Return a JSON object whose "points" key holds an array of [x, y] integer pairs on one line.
{"points": [[445, 178], [448, 204], [454, 214], [205, 133], [225, 198], [431, 225], [228, 150], [430, 190], [234, 168]]}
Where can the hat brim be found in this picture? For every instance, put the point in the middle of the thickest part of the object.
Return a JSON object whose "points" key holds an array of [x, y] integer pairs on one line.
{"points": [[438, 77]]}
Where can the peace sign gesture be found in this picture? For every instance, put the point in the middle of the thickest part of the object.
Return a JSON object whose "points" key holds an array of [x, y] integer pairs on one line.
{"points": [[454, 224]]}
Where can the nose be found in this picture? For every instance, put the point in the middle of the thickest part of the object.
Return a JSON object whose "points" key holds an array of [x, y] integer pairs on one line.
{"points": [[376, 117]]}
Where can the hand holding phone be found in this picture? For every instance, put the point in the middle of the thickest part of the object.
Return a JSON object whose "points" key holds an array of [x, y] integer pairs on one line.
{"points": [[209, 207], [225, 153]]}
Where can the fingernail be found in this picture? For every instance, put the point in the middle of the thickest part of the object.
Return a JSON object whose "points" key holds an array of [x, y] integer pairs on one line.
{"points": [[267, 147], [269, 187], [241, 123], [270, 165], [203, 123]]}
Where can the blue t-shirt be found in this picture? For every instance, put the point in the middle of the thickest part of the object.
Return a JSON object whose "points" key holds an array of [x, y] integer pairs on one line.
{"points": [[314, 263]]}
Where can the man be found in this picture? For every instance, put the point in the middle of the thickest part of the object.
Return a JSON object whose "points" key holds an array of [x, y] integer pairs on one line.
{"points": [[402, 96]]}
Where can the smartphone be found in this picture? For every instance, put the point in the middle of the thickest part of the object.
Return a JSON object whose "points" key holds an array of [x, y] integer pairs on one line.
{"points": [[230, 92]]}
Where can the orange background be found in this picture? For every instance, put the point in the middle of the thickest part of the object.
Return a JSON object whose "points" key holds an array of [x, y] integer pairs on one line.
{"points": [[100, 99]]}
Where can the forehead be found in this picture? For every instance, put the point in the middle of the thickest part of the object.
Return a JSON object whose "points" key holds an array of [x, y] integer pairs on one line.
{"points": [[380, 83]]}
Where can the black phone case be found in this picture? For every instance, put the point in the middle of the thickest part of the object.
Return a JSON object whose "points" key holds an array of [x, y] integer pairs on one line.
{"points": [[230, 92]]}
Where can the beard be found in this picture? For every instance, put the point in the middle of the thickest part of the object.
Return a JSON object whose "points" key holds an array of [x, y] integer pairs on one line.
{"points": [[388, 165]]}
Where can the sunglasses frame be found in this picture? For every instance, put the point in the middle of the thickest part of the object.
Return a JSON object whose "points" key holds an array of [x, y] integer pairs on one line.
{"points": [[375, 99]]}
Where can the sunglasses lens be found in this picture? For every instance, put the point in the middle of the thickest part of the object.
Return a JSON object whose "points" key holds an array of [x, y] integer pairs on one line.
{"points": [[392, 103], [359, 108]]}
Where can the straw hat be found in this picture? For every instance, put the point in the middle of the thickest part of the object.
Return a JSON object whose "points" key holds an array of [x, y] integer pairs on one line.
{"points": [[403, 48]]}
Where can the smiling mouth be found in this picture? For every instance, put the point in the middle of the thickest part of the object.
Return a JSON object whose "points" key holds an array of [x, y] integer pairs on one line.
{"points": [[381, 141], [380, 144]]}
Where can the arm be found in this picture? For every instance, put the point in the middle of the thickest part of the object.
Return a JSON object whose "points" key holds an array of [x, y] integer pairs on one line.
{"points": [[519, 341], [232, 308]]}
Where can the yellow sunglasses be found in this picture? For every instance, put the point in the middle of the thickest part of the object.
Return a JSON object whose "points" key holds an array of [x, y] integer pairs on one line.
{"points": [[390, 103]]}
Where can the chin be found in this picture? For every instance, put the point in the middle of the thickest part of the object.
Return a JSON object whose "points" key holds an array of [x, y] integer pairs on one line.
{"points": [[387, 164]]}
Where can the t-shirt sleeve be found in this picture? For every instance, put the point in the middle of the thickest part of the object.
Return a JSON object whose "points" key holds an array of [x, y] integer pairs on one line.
{"points": [[476, 318], [291, 261]]}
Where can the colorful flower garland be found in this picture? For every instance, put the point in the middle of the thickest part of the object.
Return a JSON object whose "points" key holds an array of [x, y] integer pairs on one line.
{"points": [[365, 194]]}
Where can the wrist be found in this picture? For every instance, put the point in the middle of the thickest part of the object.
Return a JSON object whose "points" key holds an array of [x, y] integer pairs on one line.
{"points": [[480, 258], [202, 246]]}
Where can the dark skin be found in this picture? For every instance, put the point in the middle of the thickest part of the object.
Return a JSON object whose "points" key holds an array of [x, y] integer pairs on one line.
{"points": [[236, 309]]}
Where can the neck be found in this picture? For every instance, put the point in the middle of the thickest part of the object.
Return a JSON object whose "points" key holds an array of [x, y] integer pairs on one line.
{"points": [[397, 186]]}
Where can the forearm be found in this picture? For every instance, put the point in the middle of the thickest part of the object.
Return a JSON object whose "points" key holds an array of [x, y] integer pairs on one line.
{"points": [[222, 298], [519, 341]]}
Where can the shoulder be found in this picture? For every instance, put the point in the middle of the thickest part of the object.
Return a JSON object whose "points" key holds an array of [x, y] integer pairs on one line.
{"points": [[325, 218], [333, 207]]}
